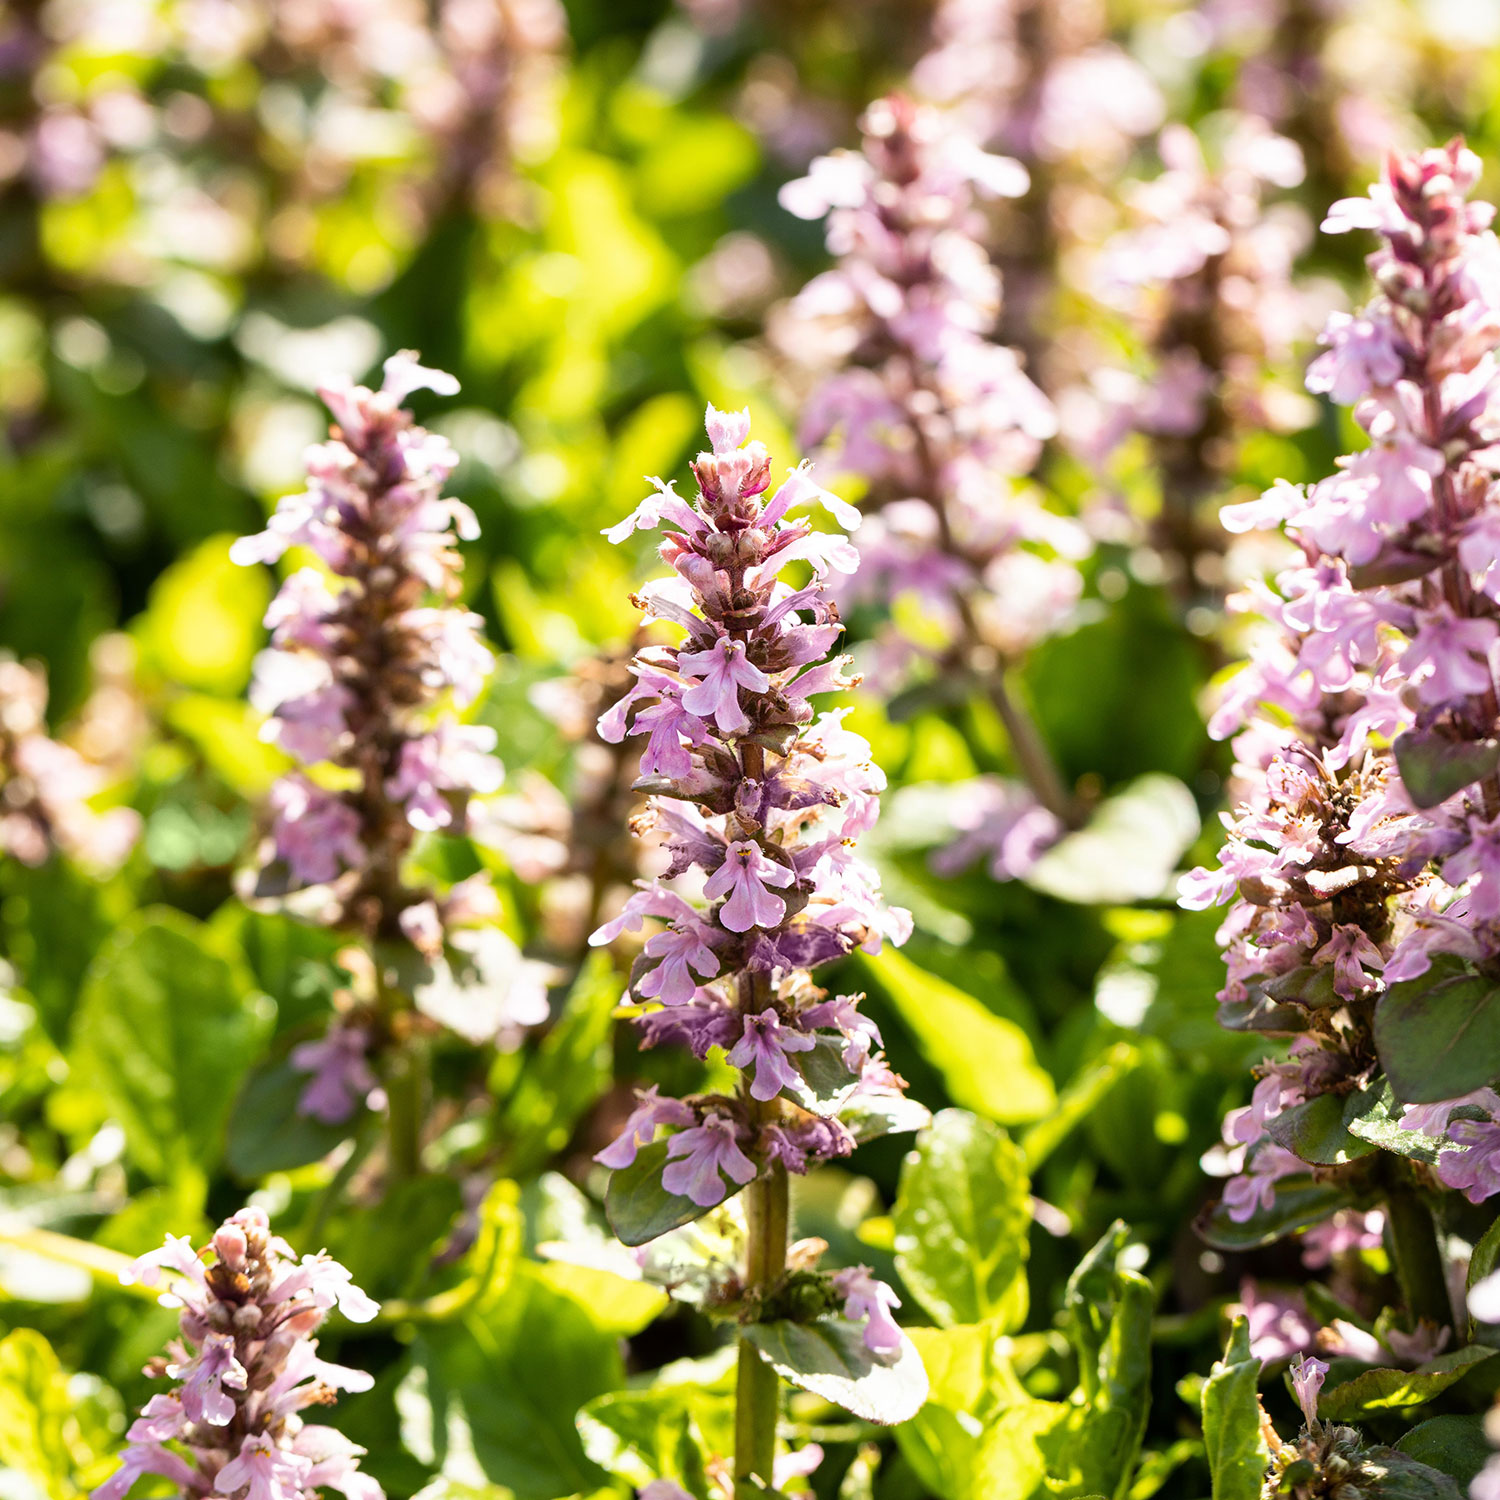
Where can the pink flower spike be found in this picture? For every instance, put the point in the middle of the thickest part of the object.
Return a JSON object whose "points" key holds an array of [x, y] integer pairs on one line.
{"points": [[696, 1157], [869, 1301], [724, 670], [763, 1045], [743, 877]]}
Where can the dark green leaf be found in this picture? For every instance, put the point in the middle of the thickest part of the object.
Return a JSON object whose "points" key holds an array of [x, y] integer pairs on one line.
{"points": [[1311, 986], [962, 1217], [1237, 1454], [166, 1029], [1434, 767], [1387, 1474], [570, 1070], [1315, 1131], [1439, 1034], [828, 1357], [638, 1207], [1454, 1444], [1299, 1202], [267, 1133], [515, 1377], [1398, 1390]]}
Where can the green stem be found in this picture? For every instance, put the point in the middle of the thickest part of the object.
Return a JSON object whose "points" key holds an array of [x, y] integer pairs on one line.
{"points": [[405, 1089], [1419, 1261], [324, 1204], [758, 1389], [102, 1263], [1038, 769]]}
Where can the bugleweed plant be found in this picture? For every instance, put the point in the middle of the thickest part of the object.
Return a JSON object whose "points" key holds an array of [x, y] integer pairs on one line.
{"points": [[1361, 859], [764, 799]]}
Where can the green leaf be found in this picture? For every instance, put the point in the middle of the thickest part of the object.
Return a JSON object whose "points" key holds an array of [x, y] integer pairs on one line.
{"points": [[1374, 1115], [1077, 1102], [1398, 1390], [638, 1207], [962, 1216], [1438, 1035], [1299, 1202], [1108, 1309], [1315, 1131], [987, 1062], [639, 1436], [267, 1133], [1388, 1474], [166, 1029], [1434, 767], [1237, 1454], [512, 1378], [570, 1070], [1486, 1254], [1455, 1445], [57, 1431], [870, 1116], [828, 1357], [1127, 850]]}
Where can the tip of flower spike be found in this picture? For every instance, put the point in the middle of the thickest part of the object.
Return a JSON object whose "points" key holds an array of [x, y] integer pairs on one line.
{"points": [[727, 430], [403, 375]]}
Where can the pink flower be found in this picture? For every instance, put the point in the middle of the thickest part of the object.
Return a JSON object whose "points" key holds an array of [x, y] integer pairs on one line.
{"points": [[203, 1397], [683, 954], [763, 1046], [649, 1115], [724, 670], [1350, 951], [1256, 1188], [1454, 652], [341, 1080], [1307, 1381], [743, 877], [316, 832], [1361, 354], [869, 1301], [328, 1284], [696, 1157], [271, 1473]]}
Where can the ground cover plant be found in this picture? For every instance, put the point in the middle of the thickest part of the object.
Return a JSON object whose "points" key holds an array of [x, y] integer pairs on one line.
{"points": [[749, 749]]}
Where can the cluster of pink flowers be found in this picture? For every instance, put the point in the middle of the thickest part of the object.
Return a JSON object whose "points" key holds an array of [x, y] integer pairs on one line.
{"points": [[370, 656], [46, 786], [939, 419], [1203, 274], [1356, 867], [759, 802], [246, 1367]]}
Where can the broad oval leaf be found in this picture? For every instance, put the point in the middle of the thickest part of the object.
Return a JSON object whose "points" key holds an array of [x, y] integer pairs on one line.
{"points": [[1397, 1390], [1453, 1444], [1374, 1115], [987, 1061], [638, 1207], [268, 1133], [1434, 767], [1315, 1131], [166, 1028], [962, 1217], [1127, 850], [1299, 1202], [1438, 1035], [828, 1357]]}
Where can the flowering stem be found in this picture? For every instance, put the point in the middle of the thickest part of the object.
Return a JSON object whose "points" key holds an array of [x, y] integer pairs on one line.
{"points": [[405, 1082], [758, 1388], [1419, 1261], [1032, 755]]}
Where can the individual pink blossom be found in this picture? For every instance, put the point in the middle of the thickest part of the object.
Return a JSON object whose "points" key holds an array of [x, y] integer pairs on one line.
{"points": [[649, 1115], [743, 878], [1307, 1382], [341, 1081], [763, 1047], [685, 960], [697, 1157], [724, 671], [869, 1301]]}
